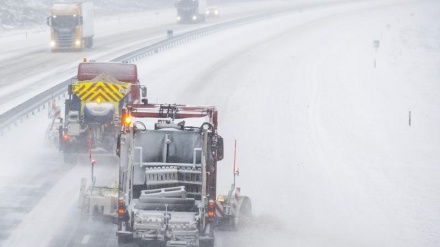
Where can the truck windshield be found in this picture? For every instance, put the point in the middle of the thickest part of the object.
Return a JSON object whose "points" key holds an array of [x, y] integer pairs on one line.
{"points": [[67, 21]]}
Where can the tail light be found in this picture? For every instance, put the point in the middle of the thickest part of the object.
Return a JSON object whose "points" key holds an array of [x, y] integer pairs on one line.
{"points": [[121, 207], [211, 209], [127, 120], [66, 137]]}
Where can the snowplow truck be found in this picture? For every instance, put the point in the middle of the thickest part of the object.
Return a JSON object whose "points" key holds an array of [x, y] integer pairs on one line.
{"points": [[92, 110], [168, 176], [191, 11], [71, 26]]}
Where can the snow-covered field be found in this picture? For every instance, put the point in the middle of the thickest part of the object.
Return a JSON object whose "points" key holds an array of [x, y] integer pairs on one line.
{"points": [[326, 147]]}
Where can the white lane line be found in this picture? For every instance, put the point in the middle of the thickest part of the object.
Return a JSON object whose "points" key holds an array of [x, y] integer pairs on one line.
{"points": [[85, 239]]}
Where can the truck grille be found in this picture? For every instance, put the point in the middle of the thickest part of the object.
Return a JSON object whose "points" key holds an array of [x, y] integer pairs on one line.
{"points": [[65, 39]]}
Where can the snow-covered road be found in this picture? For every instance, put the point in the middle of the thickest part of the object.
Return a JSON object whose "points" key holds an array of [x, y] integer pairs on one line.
{"points": [[325, 148]]}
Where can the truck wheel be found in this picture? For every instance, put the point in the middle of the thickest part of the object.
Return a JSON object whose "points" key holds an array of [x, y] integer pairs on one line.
{"points": [[123, 239], [206, 243]]}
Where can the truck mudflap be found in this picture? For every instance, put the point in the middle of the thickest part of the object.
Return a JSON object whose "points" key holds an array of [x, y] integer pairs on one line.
{"points": [[206, 241]]}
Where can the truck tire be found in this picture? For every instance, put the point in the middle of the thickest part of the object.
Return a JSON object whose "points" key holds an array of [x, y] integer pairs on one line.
{"points": [[123, 239], [206, 243]]}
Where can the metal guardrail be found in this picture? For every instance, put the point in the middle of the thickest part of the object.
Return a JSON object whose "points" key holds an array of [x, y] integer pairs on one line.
{"points": [[35, 104]]}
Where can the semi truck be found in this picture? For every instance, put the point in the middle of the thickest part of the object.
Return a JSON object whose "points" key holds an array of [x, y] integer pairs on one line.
{"points": [[71, 26], [92, 109], [167, 186], [191, 11]]}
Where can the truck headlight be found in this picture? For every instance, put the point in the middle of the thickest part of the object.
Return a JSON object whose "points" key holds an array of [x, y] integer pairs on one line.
{"points": [[52, 43], [194, 18], [178, 18], [77, 42]]}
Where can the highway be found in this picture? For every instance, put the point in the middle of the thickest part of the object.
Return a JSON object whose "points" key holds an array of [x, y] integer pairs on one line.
{"points": [[324, 147]]}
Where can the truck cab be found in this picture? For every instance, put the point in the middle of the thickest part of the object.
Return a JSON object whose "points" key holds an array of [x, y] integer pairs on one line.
{"points": [[191, 11], [71, 26]]}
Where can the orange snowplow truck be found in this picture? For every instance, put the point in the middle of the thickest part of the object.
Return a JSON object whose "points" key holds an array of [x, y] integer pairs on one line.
{"points": [[94, 105], [71, 26]]}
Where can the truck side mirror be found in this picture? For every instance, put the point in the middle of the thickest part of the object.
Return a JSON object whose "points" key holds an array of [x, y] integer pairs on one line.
{"points": [[220, 150], [49, 21], [144, 91]]}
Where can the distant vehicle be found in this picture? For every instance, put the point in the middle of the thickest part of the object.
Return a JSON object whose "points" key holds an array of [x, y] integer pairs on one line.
{"points": [[71, 26], [191, 11], [212, 12]]}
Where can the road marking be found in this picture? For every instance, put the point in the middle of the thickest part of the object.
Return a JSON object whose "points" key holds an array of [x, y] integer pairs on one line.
{"points": [[85, 239]]}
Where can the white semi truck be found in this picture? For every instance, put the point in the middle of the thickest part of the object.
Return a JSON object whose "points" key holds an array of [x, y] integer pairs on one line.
{"points": [[71, 26], [190, 11]]}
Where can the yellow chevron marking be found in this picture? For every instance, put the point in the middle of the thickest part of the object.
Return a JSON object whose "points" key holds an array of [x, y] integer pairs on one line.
{"points": [[101, 91]]}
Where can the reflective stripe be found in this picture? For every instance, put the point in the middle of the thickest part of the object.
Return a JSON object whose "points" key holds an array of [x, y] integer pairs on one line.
{"points": [[218, 209], [235, 201]]}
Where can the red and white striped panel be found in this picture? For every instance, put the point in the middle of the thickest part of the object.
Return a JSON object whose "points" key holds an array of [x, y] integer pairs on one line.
{"points": [[235, 201], [219, 209]]}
